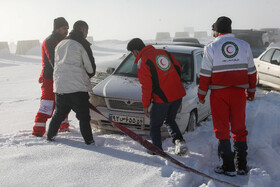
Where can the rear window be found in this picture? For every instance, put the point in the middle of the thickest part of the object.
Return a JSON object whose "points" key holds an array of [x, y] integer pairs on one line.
{"points": [[276, 57], [267, 56]]}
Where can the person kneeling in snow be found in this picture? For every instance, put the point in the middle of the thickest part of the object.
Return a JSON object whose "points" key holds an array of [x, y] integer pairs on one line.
{"points": [[160, 76], [74, 65], [228, 70]]}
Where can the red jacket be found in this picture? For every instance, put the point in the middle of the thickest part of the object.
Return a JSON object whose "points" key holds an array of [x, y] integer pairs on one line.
{"points": [[160, 76], [227, 62], [47, 50]]}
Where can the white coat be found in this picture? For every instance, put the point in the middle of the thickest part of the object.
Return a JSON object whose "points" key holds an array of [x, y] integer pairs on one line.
{"points": [[71, 68]]}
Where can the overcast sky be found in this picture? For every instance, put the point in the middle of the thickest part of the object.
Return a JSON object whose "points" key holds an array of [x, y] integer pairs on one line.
{"points": [[125, 19]]}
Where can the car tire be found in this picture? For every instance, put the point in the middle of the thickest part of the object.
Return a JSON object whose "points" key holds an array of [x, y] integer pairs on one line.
{"points": [[192, 121]]}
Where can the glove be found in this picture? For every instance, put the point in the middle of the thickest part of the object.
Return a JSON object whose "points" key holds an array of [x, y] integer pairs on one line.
{"points": [[41, 79], [250, 98], [250, 95]]}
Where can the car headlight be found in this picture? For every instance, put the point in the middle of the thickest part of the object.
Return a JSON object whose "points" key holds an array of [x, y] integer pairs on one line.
{"points": [[97, 100]]}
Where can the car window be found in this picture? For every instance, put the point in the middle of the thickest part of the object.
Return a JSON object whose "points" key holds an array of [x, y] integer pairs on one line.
{"points": [[186, 63], [276, 57], [129, 68], [267, 56]]}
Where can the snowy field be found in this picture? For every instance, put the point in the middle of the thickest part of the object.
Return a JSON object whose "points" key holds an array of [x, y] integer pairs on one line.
{"points": [[117, 160]]}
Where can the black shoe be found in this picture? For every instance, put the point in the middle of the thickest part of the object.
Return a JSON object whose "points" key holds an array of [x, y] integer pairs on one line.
{"points": [[90, 142], [50, 139], [242, 171], [220, 170], [37, 135], [150, 152], [180, 147]]}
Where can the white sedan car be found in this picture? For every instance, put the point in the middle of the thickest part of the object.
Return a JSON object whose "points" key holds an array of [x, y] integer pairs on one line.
{"points": [[268, 67], [119, 96]]}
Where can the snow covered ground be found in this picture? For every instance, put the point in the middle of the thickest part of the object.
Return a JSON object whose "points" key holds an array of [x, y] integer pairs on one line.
{"points": [[117, 160]]}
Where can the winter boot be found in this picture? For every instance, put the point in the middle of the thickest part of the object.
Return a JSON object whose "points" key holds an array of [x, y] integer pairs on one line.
{"points": [[224, 151], [240, 151], [64, 127], [50, 139], [150, 152], [180, 147], [90, 142], [38, 131]]}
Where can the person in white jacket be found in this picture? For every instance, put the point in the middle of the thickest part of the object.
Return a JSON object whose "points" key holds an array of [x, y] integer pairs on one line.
{"points": [[74, 65]]}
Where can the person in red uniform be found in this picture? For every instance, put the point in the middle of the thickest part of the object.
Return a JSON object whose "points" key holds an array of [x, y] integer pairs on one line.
{"points": [[60, 31], [228, 70], [160, 76]]}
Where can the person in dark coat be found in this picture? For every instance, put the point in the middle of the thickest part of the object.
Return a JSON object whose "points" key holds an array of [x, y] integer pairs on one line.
{"points": [[60, 31], [74, 66]]}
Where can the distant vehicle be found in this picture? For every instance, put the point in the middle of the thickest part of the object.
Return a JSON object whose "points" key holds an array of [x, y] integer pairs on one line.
{"points": [[163, 36], [273, 34], [268, 68], [119, 96], [254, 38], [191, 40]]}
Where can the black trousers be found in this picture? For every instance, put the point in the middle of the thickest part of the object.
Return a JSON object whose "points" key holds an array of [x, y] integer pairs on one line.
{"points": [[79, 103]]}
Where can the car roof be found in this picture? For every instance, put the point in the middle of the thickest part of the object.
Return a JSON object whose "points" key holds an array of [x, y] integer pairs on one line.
{"points": [[189, 40], [276, 47], [272, 47], [247, 32], [177, 43], [179, 48]]}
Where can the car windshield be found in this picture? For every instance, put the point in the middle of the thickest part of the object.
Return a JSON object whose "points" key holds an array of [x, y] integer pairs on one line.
{"points": [[129, 68]]}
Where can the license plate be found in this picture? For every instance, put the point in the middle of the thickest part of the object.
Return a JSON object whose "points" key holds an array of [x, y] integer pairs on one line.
{"points": [[126, 119]]}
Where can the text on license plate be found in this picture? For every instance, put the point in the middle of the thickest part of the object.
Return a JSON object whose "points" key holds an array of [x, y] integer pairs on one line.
{"points": [[126, 119]]}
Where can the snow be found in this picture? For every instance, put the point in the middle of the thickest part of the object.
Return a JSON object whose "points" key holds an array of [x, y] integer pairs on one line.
{"points": [[117, 160]]}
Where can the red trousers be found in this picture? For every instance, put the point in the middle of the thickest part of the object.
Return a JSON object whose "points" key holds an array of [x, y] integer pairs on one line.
{"points": [[228, 107], [47, 104]]}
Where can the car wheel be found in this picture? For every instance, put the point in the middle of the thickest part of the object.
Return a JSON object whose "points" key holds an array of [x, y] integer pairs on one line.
{"points": [[192, 121]]}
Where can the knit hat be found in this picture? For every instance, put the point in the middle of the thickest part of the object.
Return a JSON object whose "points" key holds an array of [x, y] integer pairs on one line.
{"points": [[135, 44], [59, 22], [222, 25]]}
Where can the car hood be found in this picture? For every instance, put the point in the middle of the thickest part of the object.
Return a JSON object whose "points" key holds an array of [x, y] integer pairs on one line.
{"points": [[119, 87]]}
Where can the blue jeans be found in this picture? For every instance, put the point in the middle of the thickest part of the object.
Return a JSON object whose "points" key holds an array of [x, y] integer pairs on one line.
{"points": [[164, 113]]}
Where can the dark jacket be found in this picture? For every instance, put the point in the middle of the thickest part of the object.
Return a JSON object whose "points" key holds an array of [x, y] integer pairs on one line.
{"points": [[78, 36], [47, 50]]}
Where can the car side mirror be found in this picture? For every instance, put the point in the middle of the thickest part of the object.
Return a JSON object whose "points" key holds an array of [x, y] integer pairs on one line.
{"points": [[266, 44], [110, 70]]}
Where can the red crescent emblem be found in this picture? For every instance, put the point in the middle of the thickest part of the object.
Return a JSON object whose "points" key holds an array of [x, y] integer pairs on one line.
{"points": [[162, 63], [228, 49]]}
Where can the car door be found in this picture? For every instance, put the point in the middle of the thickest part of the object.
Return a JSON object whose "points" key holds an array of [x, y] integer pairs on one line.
{"points": [[202, 109], [274, 68], [263, 66]]}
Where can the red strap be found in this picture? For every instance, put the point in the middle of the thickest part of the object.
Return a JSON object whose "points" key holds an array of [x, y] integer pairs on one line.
{"points": [[157, 151]]}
